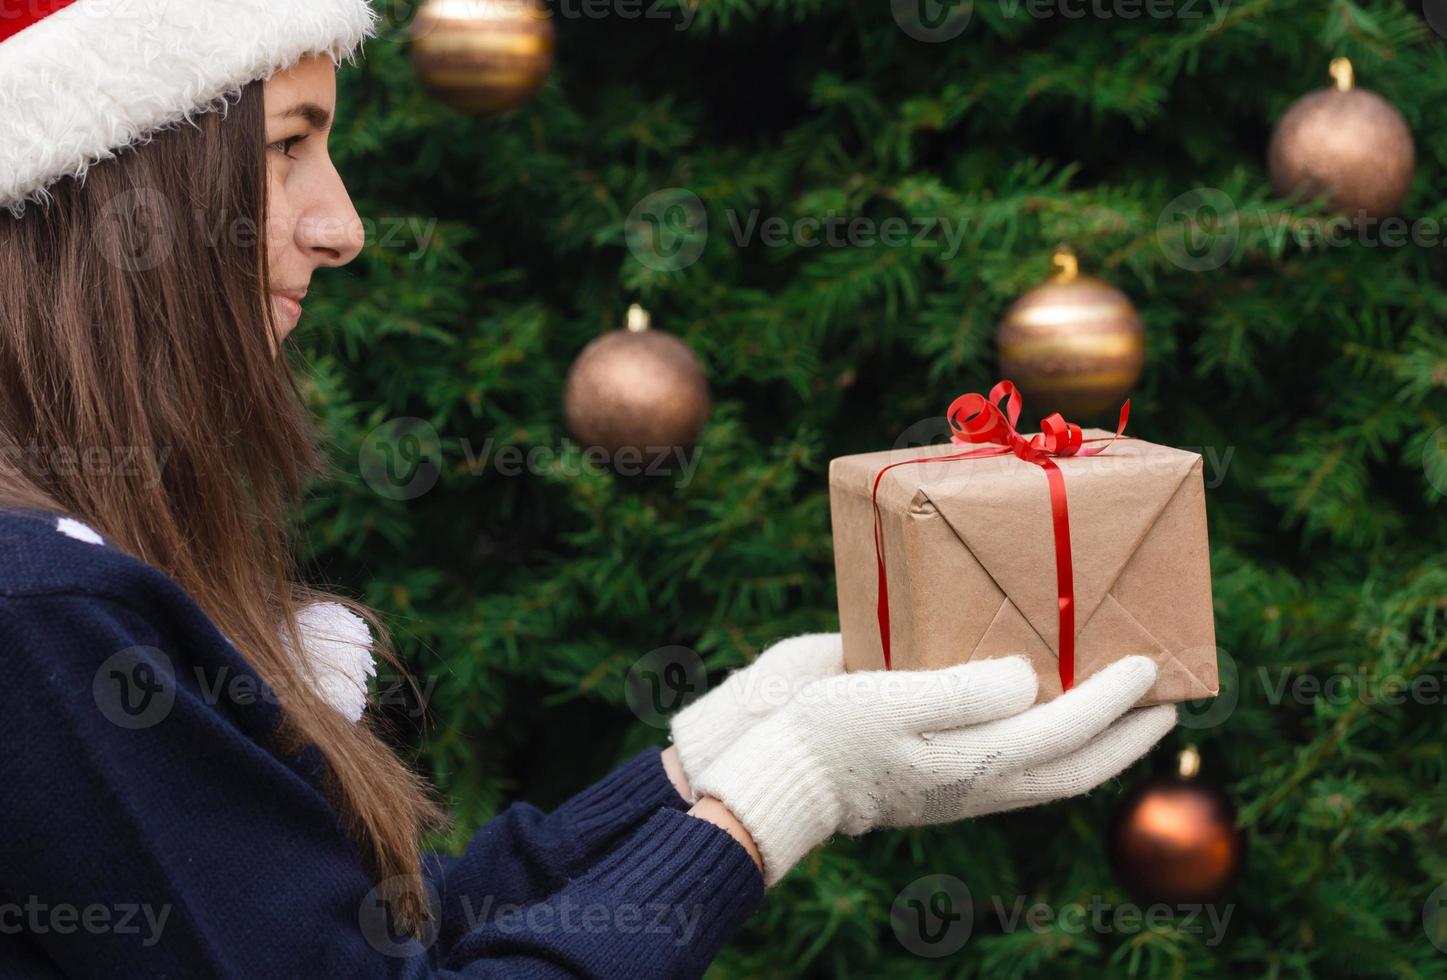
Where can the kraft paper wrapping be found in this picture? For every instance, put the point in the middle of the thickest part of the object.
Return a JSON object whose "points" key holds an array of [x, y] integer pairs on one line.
{"points": [[970, 559]]}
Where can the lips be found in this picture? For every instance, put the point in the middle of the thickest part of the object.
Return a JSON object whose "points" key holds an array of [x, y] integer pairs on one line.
{"points": [[288, 303]]}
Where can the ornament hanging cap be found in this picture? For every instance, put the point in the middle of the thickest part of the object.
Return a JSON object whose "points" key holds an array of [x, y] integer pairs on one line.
{"points": [[638, 319], [1066, 264], [1341, 71]]}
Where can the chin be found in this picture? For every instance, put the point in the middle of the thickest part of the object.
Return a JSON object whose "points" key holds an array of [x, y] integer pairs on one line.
{"points": [[282, 320]]}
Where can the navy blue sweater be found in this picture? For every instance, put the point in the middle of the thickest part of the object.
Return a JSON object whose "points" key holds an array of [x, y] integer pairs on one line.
{"points": [[151, 830]]}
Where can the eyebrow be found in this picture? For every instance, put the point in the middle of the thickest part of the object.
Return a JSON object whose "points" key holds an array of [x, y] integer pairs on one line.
{"points": [[316, 117]]}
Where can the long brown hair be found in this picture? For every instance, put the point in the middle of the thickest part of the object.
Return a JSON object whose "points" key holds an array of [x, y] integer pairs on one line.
{"points": [[136, 320]]}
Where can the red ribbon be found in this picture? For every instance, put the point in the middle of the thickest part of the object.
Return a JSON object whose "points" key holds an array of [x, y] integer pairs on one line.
{"points": [[977, 419], [16, 15]]}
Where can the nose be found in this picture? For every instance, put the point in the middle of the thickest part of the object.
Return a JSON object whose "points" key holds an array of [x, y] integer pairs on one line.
{"points": [[331, 232]]}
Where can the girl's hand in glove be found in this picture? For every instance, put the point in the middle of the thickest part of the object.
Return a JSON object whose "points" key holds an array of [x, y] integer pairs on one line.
{"points": [[856, 752], [749, 695]]}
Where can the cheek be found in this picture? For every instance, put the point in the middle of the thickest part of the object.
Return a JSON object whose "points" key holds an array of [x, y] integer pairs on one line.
{"points": [[281, 222]]}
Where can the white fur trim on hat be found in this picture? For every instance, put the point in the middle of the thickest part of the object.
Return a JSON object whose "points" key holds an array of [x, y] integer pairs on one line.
{"points": [[101, 75]]}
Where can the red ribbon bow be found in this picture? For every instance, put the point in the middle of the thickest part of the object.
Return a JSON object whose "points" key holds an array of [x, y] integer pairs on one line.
{"points": [[973, 418]]}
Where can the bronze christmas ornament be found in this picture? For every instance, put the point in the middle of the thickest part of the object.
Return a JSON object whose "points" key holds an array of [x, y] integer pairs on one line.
{"points": [[483, 56], [637, 389], [1347, 143], [1176, 840], [1074, 345]]}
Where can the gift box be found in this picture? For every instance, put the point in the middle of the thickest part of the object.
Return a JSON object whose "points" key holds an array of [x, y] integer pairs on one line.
{"points": [[1001, 543]]}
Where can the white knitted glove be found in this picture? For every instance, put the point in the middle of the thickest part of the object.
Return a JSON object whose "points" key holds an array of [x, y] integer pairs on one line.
{"points": [[873, 749], [748, 695]]}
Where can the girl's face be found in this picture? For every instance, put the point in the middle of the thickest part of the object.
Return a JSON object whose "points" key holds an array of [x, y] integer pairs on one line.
{"points": [[311, 222]]}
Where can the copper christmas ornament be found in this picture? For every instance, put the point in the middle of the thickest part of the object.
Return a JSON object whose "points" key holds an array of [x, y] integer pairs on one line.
{"points": [[483, 56], [1074, 345], [636, 389], [1347, 143], [1176, 840]]}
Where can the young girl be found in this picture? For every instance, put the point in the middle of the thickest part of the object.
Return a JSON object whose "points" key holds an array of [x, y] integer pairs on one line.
{"points": [[192, 786]]}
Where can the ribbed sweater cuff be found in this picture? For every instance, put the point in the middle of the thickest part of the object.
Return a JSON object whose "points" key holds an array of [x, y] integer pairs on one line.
{"points": [[696, 880], [660, 906], [601, 814]]}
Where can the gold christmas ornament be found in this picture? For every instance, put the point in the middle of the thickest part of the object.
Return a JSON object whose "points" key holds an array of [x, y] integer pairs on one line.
{"points": [[636, 389], [1176, 840], [1347, 143], [483, 56], [1074, 345]]}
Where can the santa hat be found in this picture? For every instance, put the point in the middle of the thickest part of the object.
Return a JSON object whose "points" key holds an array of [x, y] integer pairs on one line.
{"points": [[81, 80]]}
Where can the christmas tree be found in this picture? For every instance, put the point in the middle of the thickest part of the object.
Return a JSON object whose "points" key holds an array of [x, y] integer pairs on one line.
{"points": [[735, 167]]}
